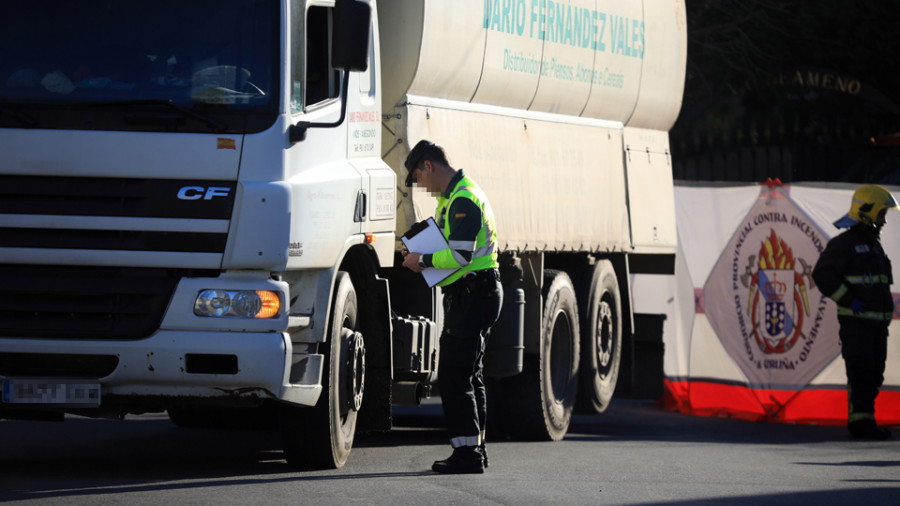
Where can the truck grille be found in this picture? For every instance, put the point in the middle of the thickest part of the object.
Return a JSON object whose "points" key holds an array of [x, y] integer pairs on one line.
{"points": [[127, 240], [85, 302], [111, 294], [115, 198], [100, 196]]}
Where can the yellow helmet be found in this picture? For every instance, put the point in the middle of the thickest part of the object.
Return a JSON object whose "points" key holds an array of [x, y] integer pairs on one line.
{"points": [[869, 202]]}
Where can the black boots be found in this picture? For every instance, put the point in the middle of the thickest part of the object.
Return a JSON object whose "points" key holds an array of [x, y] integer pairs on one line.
{"points": [[866, 429], [483, 452], [465, 460]]}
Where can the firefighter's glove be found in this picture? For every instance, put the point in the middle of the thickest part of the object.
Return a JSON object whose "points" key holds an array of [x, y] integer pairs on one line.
{"points": [[857, 306]]}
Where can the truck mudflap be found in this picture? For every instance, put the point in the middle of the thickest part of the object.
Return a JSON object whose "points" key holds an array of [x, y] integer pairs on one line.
{"points": [[306, 380]]}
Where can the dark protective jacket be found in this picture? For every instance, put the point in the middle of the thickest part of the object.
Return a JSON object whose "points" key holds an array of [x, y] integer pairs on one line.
{"points": [[855, 267]]}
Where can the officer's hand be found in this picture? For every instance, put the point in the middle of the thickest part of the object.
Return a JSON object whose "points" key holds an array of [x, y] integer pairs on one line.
{"points": [[857, 306], [411, 262]]}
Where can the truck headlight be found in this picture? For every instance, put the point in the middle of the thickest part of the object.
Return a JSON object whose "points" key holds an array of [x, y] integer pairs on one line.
{"points": [[238, 303]]}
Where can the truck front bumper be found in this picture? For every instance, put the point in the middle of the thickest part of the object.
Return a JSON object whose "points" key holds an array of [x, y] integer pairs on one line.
{"points": [[180, 365]]}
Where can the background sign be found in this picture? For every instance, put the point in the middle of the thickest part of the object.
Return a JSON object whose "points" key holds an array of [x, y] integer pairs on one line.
{"points": [[754, 337], [761, 299]]}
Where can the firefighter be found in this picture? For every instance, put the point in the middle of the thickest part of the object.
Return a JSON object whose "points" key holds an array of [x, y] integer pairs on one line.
{"points": [[855, 272], [472, 300]]}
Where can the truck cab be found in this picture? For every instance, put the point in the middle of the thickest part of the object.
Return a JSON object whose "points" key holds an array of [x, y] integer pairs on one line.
{"points": [[168, 237]]}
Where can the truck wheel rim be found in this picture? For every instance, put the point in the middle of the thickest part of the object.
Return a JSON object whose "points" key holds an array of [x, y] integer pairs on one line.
{"points": [[604, 336], [354, 371]]}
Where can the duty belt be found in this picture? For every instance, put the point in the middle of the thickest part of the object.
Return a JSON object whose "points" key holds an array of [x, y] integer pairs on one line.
{"points": [[473, 280]]}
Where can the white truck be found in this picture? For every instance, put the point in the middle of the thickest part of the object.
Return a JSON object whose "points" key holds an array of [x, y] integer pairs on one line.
{"points": [[199, 204]]}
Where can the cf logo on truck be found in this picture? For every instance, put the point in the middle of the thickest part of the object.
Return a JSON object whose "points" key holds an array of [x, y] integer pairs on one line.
{"points": [[200, 192]]}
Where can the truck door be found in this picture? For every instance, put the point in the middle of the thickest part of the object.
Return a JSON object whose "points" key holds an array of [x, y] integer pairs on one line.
{"points": [[377, 201], [327, 190]]}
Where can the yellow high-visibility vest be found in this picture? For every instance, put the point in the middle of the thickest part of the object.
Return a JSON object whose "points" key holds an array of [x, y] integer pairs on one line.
{"points": [[484, 251]]}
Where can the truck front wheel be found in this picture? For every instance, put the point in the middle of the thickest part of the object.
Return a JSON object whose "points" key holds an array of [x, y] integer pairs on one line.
{"points": [[322, 437]]}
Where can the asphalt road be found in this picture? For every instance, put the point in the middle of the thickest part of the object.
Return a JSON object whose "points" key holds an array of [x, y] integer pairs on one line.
{"points": [[636, 453]]}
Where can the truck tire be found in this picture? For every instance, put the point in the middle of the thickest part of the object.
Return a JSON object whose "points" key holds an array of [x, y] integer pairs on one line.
{"points": [[600, 306], [321, 437], [542, 397]]}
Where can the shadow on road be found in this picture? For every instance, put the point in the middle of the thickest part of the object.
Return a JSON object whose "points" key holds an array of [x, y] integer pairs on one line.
{"points": [[630, 420], [866, 496], [82, 457], [85, 457]]}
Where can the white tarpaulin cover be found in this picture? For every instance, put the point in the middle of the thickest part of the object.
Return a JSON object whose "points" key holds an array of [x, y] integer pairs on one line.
{"points": [[760, 341]]}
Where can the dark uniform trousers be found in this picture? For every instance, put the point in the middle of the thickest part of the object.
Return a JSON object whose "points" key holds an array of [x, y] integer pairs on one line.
{"points": [[864, 348], [471, 306]]}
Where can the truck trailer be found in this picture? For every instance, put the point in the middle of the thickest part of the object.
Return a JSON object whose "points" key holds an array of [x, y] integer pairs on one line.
{"points": [[200, 205]]}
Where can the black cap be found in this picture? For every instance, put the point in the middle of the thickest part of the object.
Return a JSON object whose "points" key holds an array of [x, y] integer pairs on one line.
{"points": [[421, 149]]}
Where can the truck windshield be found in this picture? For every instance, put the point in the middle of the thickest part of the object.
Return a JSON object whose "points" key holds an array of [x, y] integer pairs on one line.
{"points": [[172, 65]]}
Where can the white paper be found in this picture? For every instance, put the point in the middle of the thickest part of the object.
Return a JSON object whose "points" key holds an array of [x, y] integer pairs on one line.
{"points": [[425, 241]]}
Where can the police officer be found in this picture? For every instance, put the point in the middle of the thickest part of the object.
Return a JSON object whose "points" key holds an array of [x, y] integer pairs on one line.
{"points": [[472, 299], [855, 272]]}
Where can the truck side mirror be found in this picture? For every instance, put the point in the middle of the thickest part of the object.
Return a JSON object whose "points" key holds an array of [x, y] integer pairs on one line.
{"points": [[349, 53], [350, 42]]}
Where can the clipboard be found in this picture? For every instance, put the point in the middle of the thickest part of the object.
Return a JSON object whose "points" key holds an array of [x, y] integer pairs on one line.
{"points": [[425, 237]]}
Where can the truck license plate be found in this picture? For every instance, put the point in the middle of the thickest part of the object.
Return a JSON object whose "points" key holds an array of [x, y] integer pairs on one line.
{"points": [[51, 391]]}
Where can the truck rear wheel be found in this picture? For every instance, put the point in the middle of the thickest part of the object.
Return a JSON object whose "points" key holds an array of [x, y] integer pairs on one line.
{"points": [[541, 398], [601, 341], [322, 437]]}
